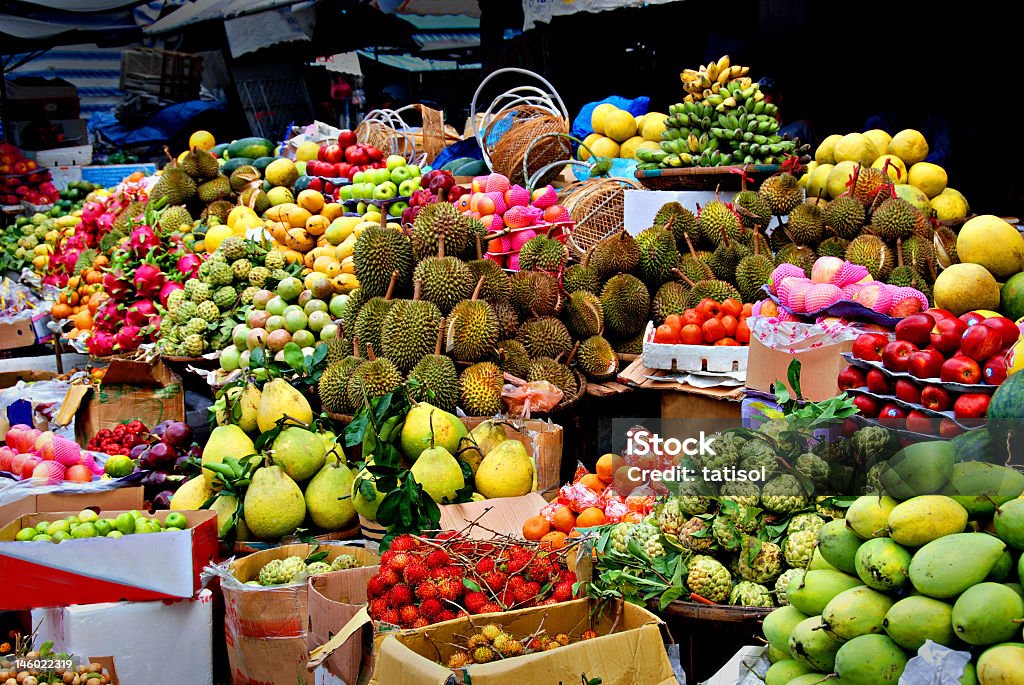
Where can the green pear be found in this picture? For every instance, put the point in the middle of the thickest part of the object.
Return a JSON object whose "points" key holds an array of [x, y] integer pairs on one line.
{"points": [[481, 440], [508, 471], [226, 507], [328, 499], [439, 473], [299, 452], [280, 399], [225, 441], [274, 505], [241, 408], [425, 425]]}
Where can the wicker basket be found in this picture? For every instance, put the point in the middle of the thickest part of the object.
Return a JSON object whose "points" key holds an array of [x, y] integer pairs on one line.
{"points": [[597, 208], [705, 178]]}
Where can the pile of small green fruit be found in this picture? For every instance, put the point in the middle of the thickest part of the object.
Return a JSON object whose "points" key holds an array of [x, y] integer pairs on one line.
{"points": [[88, 524]]}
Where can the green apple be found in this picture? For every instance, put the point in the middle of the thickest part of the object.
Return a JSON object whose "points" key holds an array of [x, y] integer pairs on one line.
{"points": [[137, 514], [358, 177], [42, 526], [87, 516], [84, 530], [60, 536], [176, 520], [385, 191], [400, 174], [415, 170], [103, 527], [72, 521], [396, 208], [380, 176], [143, 526], [115, 534], [125, 523], [409, 186], [395, 161], [361, 208], [42, 537], [345, 192], [26, 534]]}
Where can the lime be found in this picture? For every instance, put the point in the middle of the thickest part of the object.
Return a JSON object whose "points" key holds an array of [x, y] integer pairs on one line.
{"points": [[118, 466], [84, 530], [87, 516], [103, 527], [125, 524], [26, 534]]}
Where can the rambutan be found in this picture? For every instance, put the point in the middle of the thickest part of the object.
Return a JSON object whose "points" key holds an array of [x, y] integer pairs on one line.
{"points": [[400, 594], [376, 608], [416, 572], [430, 608], [540, 570], [458, 660], [524, 593], [588, 635], [477, 640], [376, 586], [437, 558], [475, 600], [547, 602], [403, 543], [562, 639], [518, 559], [426, 590], [562, 591], [446, 615], [408, 614], [491, 608], [449, 589], [387, 557], [495, 580], [391, 616], [390, 577], [420, 623], [484, 566], [400, 560]]}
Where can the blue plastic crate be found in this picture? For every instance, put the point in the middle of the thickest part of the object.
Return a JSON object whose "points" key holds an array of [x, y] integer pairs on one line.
{"points": [[111, 175]]}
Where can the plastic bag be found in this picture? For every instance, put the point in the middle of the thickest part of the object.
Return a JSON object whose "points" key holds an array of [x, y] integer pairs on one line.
{"points": [[793, 337], [42, 399], [539, 396], [935, 665]]}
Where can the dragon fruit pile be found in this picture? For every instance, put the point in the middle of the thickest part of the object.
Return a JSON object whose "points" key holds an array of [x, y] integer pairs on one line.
{"points": [[832, 281]]}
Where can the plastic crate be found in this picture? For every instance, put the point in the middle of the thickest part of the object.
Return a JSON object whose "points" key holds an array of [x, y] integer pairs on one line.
{"points": [[111, 175], [79, 155], [166, 74]]}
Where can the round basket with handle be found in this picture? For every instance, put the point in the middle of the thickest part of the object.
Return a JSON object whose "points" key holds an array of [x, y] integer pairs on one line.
{"points": [[514, 120], [597, 210], [386, 130]]}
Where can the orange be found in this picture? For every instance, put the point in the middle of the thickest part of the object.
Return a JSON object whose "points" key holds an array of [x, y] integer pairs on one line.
{"points": [[576, 534], [591, 516], [93, 277], [607, 465], [60, 310], [632, 517], [593, 482], [536, 527], [100, 261], [83, 320], [623, 483], [564, 519], [554, 540]]}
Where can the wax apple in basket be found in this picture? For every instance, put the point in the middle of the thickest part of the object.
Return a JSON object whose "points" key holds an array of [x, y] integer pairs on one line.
{"points": [[869, 346]]}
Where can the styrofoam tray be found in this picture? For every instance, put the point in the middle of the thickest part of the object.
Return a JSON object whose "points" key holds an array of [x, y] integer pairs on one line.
{"points": [[921, 408], [695, 358], [951, 387]]}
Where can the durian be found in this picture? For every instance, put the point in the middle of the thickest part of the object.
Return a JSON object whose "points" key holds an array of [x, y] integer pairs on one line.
{"points": [[833, 247], [173, 218], [378, 252], [545, 337], [753, 211], [554, 372], [512, 357], [712, 289], [496, 287], [717, 222], [371, 316], [800, 255], [175, 187], [446, 280], [580, 277], [200, 164], [753, 272], [434, 378], [243, 177], [508, 320], [782, 193], [535, 293], [333, 385], [671, 298], [542, 253], [617, 253], [868, 183], [658, 255], [805, 225], [844, 216], [894, 219], [436, 223], [596, 358], [409, 331], [375, 377], [626, 303], [584, 314], [472, 328], [215, 189], [678, 220], [480, 389], [869, 251]]}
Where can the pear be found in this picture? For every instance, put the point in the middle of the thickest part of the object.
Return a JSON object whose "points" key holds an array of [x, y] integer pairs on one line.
{"points": [[508, 471], [481, 440], [425, 424], [274, 505], [327, 497], [365, 507], [191, 495], [245, 401], [280, 399], [299, 452], [439, 473], [225, 441], [226, 507]]}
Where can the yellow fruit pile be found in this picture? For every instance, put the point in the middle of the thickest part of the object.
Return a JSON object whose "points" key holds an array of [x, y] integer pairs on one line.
{"points": [[617, 133]]}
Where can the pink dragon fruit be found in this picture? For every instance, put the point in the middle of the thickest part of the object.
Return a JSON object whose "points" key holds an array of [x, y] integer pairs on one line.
{"points": [[128, 338], [115, 285], [168, 288], [140, 313], [100, 344], [108, 315], [105, 222], [91, 212], [142, 240], [189, 264], [148, 279]]}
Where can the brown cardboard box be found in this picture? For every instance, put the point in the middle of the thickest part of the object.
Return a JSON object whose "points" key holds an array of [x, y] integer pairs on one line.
{"points": [[819, 369], [504, 515], [334, 598], [149, 392], [43, 98], [126, 498], [266, 628], [633, 653], [17, 333], [8, 379], [542, 439]]}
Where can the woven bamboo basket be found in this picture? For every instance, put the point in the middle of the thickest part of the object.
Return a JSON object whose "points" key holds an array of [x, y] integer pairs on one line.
{"points": [[597, 209]]}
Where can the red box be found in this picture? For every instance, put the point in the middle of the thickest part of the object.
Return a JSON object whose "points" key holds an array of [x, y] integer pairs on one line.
{"points": [[93, 570]]}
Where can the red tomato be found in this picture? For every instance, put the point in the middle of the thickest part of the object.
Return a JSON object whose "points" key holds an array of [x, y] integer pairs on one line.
{"points": [[674, 322], [743, 332], [729, 322], [665, 334], [747, 309], [692, 316], [691, 334], [726, 342], [710, 309], [713, 330], [732, 306]]}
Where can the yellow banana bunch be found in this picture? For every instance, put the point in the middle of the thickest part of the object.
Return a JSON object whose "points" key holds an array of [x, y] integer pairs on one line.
{"points": [[707, 81]]}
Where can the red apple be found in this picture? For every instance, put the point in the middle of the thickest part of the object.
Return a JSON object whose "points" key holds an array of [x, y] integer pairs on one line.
{"points": [[949, 429], [960, 370], [892, 416], [908, 391], [333, 154], [916, 328], [346, 138], [896, 355], [28, 466], [971, 405], [940, 314], [878, 382], [947, 333], [851, 377], [936, 398], [925, 363], [981, 342], [919, 422], [994, 371], [1007, 329], [869, 346], [972, 318], [868, 406]]}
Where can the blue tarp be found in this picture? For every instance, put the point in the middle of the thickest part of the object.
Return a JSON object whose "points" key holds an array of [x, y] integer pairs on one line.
{"points": [[581, 127], [160, 128]]}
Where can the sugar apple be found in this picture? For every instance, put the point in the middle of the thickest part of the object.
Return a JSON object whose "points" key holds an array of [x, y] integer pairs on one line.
{"points": [[788, 576], [799, 548], [747, 594], [295, 565], [186, 312], [670, 518], [813, 469], [742, 492], [219, 256], [274, 260], [344, 561], [174, 300], [241, 268], [805, 522], [234, 247], [221, 274], [318, 567], [870, 444], [619, 537], [695, 497], [224, 297], [832, 451], [758, 454], [204, 271], [274, 573], [708, 578], [723, 528], [258, 275], [727, 452], [760, 560], [823, 505], [248, 294], [201, 292], [196, 326], [208, 311], [696, 535], [788, 437], [784, 495], [873, 478], [193, 345], [649, 537]]}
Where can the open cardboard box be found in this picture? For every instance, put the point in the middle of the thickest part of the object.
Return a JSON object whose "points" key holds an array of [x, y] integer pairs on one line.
{"points": [[502, 515], [629, 649], [819, 369], [542, 439], [126, 498], [148, 391], [266, 627], [334, 598], [137, 567]]}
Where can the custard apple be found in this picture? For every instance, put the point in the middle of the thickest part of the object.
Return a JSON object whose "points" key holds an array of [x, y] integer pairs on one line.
{"points": [[787, 577], [234, 247], [221, 274], [727, 452], [186, 311], [789, 439], [201, 292], [870, 444], [620, 537], [708, 578], [174, 300], [760, 560], [224, 297], [805, 522], [670, 518], [649, 537], [241, 268], [208, 311], [196, 326], [344, 561], [696, 535], [248, 294], [723, 528], [756, 455], [784, 495], [747, 594], [258, 275], [318, 567], [193, 345], [874, 478], [832, 451], [218, 256], [695, 498], [813, 469], [742, 492], [204, 272], [273, 573], [823, 505], [274, 260], [294, 565], [799, 548], [191, 285]]}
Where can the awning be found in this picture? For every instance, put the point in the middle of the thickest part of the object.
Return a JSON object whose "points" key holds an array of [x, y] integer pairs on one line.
{"points": [[21, 34], [208, 10], [342, 63], [543, 11], [417, 64], [84, 6], [427, 7], [432, 42]]}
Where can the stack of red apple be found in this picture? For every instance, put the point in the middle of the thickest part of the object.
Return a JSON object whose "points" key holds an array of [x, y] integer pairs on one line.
{"points": [[343, 159], [937, 376], [21, 180], [46, 458], [433, 185]]}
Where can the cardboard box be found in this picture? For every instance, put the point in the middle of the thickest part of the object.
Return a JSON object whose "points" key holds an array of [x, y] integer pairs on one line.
{"points": [[149, 392], [334, 599], [126, 498], [92, 570], [819, 368], [25, 331], [542, 439], [138, 633], [633, 653], [266, 629], [503, 515], [43, 98]]}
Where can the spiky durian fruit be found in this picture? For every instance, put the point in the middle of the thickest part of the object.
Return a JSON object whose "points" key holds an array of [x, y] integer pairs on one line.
{"points": [[678, 220], [174, 187], [446, 281], [534, 293], [554, 372], [200, 164], [473, 328], [545, 337], [434, 379], [658, 255], [871, 252], [753, 211], [508, 320], [617, 253], [379, 252], [333, 385], [782, 193], [805, 225], [868, 183], [626, 303], [174, 219], [712, 289], [542, 253], [833, 247], [597, 359], [512, 357], [671, 298], [480, 389], [717, 222], [496, 287], [844, 216], [409, 332], [373, 378], [800, 255], [580, 277], [753, 272], [584, 314]]}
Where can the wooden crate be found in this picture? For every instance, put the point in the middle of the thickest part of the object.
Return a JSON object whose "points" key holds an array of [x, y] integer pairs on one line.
{"points": [[166, 74]]}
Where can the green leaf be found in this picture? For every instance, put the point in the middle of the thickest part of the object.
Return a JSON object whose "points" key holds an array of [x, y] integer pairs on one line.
{"points": [[669, 596], [319, 354], [470, 585], [293, 356], [257, 358]]}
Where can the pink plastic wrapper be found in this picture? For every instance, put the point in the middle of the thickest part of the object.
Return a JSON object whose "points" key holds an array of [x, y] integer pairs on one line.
{"points": [[549, 510], [615, 510], [538, 396], [578, 497]]}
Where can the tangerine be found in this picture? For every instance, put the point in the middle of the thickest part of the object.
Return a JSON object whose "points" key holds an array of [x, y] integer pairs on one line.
{"points": [[554, 540], [592, 481], [536, 527], [591, 516], [607, 465], [83, 320], [564, 520]]}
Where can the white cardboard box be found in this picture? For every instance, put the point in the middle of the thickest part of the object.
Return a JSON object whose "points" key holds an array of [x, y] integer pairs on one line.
{"points": [[136, 634], [640, 206]]}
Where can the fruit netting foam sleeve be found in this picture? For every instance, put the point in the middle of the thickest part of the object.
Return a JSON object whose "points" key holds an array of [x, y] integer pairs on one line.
{"points": [[12, 491], [793, 337], [935, 663]]}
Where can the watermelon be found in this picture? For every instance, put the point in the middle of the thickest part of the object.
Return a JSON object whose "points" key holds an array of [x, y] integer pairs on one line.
{"points": [[227, 167], [261, 163], [253, 148], [219, 150], [973, 445], [1006, 417], [1011, 297]]}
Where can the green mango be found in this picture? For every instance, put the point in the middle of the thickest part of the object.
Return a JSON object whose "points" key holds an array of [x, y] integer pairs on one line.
{"points": [[817, 589], [1009, 523], [882, 564], [855, 612], [870, 660], [778, 625], [1001, 664], [915, 619], [812, 646], [987, 613], [919, 469], [980, 487], [782, 672], [868, 516], [920, 520], [838, 545], [946, 567]]}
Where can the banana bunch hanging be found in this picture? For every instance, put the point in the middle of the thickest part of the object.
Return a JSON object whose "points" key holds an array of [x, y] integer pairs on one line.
{"points": [[709, 80]]}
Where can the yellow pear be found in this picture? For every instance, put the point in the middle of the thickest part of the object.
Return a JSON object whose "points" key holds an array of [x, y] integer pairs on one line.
{"points": [[325, 497], [241, 408], [225, 441], [274, 505], [508, 471], [280, 399], [439, 473], [426, 425], [299, 452], [191, 495]]}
